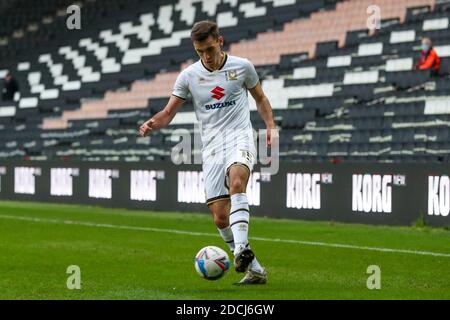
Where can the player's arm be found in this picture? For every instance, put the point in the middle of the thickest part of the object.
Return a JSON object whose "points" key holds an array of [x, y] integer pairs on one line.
{"points": [[162, 118], [265, 111]]}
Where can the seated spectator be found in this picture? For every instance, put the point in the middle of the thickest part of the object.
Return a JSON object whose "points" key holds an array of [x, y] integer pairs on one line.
{"points": [[428, 57], [10, 87]]}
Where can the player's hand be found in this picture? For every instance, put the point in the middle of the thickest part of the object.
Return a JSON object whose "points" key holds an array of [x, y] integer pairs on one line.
{"points": [[271, 137], [146, 127]]}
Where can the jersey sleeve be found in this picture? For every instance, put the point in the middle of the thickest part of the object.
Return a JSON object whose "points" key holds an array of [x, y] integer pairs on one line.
{"points": [[181, 86], [251, 77]]}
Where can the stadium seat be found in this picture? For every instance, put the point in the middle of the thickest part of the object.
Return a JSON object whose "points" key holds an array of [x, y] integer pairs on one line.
{"points": [[337, 89]]}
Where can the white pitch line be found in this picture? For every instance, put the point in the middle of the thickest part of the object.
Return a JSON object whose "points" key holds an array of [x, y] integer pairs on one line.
{"points": [[203, 234]]}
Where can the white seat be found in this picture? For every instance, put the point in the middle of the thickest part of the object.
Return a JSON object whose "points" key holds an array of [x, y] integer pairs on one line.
{"points": [[443, 51], [30, 102], [402, 36], [399, 64], [339, 61], [8, 111], [305, 73], [435, 24], [361, 77], [370, 49]]}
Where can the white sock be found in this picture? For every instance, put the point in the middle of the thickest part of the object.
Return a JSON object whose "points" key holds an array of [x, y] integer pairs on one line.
{"points": [[239, 218], [256, 266], [227, 236]]}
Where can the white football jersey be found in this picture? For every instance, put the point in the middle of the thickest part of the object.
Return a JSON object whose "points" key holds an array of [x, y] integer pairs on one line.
{"points": [[220, 99]]}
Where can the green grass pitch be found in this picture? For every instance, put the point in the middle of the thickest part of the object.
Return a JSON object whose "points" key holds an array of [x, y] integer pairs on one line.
{"points": [[125, 254]]}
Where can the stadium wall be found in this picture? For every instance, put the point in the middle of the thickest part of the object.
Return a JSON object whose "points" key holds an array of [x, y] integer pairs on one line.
{"points": [[383, 194]]}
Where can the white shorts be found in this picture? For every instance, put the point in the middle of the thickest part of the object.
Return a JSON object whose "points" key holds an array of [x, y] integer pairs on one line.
{"points": [[216, 166]]}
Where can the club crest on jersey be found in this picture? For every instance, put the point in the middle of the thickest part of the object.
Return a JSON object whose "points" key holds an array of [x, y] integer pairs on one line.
{"points": [[218, 93], [231, 75]]}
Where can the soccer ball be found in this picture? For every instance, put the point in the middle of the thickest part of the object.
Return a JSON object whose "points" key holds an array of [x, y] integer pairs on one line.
{"points": [[211, 263]]}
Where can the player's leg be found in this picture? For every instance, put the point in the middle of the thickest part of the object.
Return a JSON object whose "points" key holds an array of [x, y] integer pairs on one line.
{"points": [[238, 175], [217, 195], [220, 210], [220, 207]]}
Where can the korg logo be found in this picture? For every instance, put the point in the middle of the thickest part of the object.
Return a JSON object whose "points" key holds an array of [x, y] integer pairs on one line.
{"points": [[24, 179], [143, 185], [303, 191], [100, 183], [191, 187], [61, 181], [438, 195], [372, 193]]}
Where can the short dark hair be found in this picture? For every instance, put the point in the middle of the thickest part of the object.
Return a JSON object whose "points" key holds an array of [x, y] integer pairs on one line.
{"points": [[203, 29]]}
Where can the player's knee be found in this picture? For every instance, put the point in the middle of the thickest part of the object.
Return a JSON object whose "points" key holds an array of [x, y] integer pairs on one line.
{"points": [[237, 186]]}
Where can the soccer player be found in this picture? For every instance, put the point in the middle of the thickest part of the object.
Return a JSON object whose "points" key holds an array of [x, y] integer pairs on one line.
{"points": [[218, 84]]}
